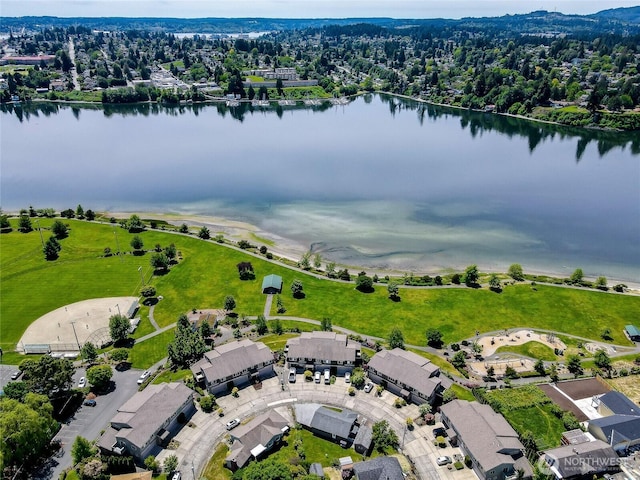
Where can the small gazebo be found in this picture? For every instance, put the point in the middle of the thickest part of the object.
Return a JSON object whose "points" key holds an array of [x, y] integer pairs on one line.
{"points": [[272, 284]]}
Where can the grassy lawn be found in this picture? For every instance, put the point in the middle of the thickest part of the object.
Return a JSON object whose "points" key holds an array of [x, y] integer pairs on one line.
{"points": [[255, 79], [436, 360], [208, 273], [171, 376], [288, 325], [215, 468], [545, 426], [315, 448], [146, 353], [531, 349], [462, 393], [277, 342]]}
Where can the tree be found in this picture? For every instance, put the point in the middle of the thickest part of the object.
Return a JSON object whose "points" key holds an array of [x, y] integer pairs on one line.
{"points": [[434, 338], [99, 376], [119, 355], [574, 366], [90, 215], [51, 248], [207, 403], [187, 346], [170, 463], [148, 291], [5, 225], [459, 360], [539, 367], [396, 339], [16, 390], [602, 360], [276, 327], [297, 289], [305, 261], [159, 261], [48, 375], [135, 224], [383, 436], [601, 283], [515, 272], [358, 378], [267, 469], [317, 260], [184, 228], [119, 326], [491, 371], [137, 244], [205, 330], [261, 325], [325, 324], [448, 395], [553, 373], [394, 291], [81, 449], [229, 303], [280, 308], [510, 372], [425, 409], [364, 283], [471, 275], [204, 233], [577, 277], [151, 463], [59, 230], [27, 429], [494, 282], [80, 212], [88, 352]]}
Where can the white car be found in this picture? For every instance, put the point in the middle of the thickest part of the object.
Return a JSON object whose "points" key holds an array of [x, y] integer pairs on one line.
{"points": [[143, 377], [292, 375], [443, 461], [233, 424], [368, 387], [317, 376], [82, 383], [347, 377]]}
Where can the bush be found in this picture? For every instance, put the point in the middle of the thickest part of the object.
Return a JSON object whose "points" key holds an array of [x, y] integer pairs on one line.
{"points": [[207, 403], [458, 465]]}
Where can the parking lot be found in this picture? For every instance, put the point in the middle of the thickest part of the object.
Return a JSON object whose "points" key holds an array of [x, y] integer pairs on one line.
{"points": [[198, 441]]}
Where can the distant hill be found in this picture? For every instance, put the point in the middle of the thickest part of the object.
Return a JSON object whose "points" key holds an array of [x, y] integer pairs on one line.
{"points": [[626, 15]]}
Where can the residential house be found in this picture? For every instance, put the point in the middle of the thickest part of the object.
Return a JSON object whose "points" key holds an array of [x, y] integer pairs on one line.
{"points": [[582, 460], [406, 374], [148, 419], [380, 468], [620, 425], [234, 364], [340, 426], [321, 350], [493, 446], [272, 284], [633, 332], [259, 436]]}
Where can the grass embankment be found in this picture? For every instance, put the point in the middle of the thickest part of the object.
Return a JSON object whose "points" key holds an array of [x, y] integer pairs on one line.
{"points": [[31, 286], [531, 349]]}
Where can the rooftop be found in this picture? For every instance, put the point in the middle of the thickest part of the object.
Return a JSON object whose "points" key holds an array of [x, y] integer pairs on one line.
{"points": [[407, 368], [323, 346], [232, 358]]}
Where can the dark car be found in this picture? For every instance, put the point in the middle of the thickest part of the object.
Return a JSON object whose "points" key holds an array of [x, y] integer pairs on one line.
{"points": [[439, 432], [89, 402]]}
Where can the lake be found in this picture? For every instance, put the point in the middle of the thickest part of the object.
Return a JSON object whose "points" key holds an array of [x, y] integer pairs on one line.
{"points": [[382, 183]]}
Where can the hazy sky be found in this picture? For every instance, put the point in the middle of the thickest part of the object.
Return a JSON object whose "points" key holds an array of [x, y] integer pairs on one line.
{"points": [[300, 8]]}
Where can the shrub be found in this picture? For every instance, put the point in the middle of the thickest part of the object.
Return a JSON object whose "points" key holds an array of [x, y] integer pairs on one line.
{"points": [[207, 403], [234, 392]]}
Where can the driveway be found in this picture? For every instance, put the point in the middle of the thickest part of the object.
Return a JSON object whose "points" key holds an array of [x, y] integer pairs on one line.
{"points": [[198, 441]]}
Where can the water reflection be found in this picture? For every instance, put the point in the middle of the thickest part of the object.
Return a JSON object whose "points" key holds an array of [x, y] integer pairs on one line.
{"points": [[476, 123]]}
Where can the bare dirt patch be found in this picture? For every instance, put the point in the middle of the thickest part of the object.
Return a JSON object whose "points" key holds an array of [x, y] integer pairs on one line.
{"points": [[563, 402], [578, 389]]}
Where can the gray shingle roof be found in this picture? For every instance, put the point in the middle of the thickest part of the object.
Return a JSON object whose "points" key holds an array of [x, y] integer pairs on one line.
{"points": [[622, 427], [582, 459], [380, 468], [148, 410], [486, 434], [619, 403], [324, 419], [258, 431], [320, 346], [407, 368], [230, 359]]}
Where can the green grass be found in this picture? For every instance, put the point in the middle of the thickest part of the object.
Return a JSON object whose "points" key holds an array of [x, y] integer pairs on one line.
{"points": [[31, 287], [436, 360], [546, 427], [462, 393], [177, 63], [288, 325], [315, 448], [531, 349], [255, 79], [215, 468], [80, 96], [145, 354], [171, 376], [277, 342], [265, 241]]}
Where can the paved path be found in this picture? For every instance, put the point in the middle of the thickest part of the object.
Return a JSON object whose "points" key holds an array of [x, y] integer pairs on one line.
{"points": [[152, 318], [267, 305]]}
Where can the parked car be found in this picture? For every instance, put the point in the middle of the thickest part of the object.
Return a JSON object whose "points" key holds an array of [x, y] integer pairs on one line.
{"points": [[347, 377], [443, 461], [292, 375], [143, 377], [317, 376], [89, 402], [327, 376], [439, 432], [233, 424], [176, 476], [82, 383], [368, 387], [16, 375]]}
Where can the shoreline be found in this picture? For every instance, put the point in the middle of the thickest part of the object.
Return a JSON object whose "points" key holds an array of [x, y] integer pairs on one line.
{"points": [[292, 250]]}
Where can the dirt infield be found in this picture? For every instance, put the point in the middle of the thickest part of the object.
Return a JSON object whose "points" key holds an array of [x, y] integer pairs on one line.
{"points": [[563, 402], [578, 389], [74, 324]]}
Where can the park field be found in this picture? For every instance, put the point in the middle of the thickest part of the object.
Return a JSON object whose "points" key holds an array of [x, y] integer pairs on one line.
{"points": [[30, 286]]}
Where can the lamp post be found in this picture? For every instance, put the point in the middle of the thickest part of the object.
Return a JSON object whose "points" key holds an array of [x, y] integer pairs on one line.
{"points": [[141, 275], [40, 232], [193, 470], [73, 325]]}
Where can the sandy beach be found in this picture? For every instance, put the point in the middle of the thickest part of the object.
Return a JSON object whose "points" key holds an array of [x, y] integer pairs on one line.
{"points": [[287, 248]]}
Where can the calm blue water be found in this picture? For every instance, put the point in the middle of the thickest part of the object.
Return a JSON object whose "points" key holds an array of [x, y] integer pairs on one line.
{"points": [[381, 182]]}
